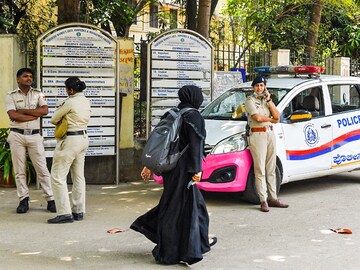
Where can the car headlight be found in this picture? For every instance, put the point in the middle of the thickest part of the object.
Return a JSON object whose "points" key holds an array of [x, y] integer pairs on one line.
{"points": [[233, 143]]}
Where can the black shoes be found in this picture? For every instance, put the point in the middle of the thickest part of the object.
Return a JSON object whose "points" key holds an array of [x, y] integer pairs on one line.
{"points": [[278, 203], [51, 206], [264, 207], [212, 241], [61, 219], [23, 206], [78, 216]]}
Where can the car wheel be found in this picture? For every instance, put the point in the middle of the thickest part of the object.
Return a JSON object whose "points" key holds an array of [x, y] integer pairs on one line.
{"points": [[250, 194]]}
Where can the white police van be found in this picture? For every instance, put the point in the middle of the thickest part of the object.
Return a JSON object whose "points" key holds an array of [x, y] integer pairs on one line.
{"points": [[318, 135]]}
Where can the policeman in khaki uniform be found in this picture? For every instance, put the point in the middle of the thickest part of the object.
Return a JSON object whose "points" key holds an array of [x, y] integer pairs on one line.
{"points": [[25, 105], [70, 153], [262, 113]]}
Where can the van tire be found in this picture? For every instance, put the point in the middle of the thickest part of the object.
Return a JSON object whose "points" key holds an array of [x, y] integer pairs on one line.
{"points": [[250, 194]]}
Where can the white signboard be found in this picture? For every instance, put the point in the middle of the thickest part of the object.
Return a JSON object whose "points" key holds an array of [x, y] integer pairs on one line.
{"points": [[186, 65], [78, 62], [93, 141], [55, 102], [180, 83], [94, 122], [89, 91], [71, 51], [181, 74], [181, 55], [89, 53], [177, 58], [78, 37], [225, 80], [181, 42], [79, 72], [55, 81], [91, 151], [91, 131]]}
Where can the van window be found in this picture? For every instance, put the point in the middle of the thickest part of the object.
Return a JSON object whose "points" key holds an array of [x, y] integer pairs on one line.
{"points": [[344, 97], [310, 100]]}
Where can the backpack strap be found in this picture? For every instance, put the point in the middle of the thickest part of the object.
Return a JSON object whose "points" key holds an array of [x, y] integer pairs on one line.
{"points": [[182, 111]]}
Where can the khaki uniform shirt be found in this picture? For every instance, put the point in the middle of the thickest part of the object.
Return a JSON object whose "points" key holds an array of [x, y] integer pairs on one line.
{"points": [[253, 106], [76, 109], [18, 100]]}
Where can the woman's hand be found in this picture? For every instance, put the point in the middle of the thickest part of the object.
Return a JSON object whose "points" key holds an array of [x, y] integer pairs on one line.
{"points": [[268, 95], [197, 177], [145, 174]]}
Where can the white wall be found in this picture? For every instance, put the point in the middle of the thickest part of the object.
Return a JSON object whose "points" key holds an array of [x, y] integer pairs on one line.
{"points": [[12, 59]]}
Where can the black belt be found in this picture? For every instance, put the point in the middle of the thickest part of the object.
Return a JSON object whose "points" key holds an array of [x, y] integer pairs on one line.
{"points": [[26, 131], [80, 132]]}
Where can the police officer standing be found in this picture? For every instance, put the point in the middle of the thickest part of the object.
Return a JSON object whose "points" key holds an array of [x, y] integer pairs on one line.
{"points": [[262, 113], [25, 105], [70, 153]]}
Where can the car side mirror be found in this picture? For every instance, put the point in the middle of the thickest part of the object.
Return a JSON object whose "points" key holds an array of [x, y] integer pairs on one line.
{"points": [[300, 116]]}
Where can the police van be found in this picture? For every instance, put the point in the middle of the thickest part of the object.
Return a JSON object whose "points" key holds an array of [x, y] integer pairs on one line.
{"points": [[318, 134]]}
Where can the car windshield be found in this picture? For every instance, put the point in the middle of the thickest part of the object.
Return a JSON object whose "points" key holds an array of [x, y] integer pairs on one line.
{"points": [[231, 104]]}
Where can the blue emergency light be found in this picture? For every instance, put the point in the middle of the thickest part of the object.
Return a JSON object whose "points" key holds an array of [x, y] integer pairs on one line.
{"points": [[289, 69]]}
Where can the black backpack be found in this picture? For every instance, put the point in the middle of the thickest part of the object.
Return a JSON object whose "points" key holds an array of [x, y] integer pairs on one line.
{"points": [[161, 152]]}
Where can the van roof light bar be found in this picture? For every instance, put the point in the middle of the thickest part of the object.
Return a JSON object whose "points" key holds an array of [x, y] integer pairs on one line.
{"points": [[310, 70]]}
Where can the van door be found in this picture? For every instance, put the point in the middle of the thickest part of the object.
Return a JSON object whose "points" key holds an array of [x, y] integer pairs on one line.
{"points": [[307, 144], [345, 103]]}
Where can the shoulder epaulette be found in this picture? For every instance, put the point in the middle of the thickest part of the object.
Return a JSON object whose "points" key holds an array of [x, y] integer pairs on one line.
{"points": [[13, 91]]}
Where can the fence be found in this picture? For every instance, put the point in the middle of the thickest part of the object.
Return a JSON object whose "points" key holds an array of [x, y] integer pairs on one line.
{"points": [[225, 58]]}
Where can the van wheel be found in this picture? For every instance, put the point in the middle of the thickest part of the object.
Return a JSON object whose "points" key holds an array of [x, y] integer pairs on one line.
{"points": [[250, 194]]}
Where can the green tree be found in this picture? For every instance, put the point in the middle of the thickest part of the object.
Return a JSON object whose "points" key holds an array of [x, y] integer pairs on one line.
{"points": [[11, 13], [121, 13], [302, 25]]}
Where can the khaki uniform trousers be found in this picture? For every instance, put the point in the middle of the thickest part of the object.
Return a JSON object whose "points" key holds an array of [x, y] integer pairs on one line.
{"points": [[19, 143], [262, 146], [69, 155]]}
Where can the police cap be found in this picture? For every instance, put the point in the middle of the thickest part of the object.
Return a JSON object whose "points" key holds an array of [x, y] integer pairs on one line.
{"points": [[259, 79]]}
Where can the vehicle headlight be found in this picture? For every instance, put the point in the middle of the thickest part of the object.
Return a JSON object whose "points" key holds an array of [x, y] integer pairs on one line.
{"points": [[233, 143]]}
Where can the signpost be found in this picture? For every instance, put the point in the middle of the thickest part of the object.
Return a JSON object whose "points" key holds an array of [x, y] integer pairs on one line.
{"points": [[92, 55], [176, 58]]}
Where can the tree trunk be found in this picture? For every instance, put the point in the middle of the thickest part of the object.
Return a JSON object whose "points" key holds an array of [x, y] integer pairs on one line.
{"points": [[203, 19], [313, 32], [213, 6], [191, 11], [68, 11]]}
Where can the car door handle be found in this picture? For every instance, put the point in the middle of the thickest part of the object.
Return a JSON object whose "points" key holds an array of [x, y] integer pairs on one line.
{"points": [[326, 126]]}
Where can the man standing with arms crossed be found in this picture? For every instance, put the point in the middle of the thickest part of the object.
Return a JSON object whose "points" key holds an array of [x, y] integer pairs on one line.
{"points": [[25, 105]]}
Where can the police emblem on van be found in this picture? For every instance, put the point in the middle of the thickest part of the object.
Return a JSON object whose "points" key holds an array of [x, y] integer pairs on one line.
{"points": [[311, 135]]}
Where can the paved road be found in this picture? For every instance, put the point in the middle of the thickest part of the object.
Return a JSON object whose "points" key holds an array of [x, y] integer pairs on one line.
{"points": [[293, 238]]}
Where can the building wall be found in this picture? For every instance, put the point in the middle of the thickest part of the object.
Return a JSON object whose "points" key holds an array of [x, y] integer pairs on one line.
{"points": [[126, 68], [143, 28], [12, 59]]}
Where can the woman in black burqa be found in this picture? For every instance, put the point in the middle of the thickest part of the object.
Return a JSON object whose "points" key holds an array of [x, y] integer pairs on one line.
{"points": [[179, 224]]}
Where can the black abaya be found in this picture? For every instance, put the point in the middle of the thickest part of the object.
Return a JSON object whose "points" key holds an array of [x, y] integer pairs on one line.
{"points": [[179, 224]]}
